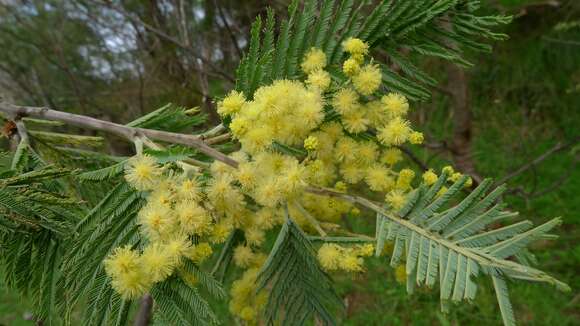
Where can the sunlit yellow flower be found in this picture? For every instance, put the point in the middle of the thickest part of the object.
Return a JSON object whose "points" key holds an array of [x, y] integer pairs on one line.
{"points": [[142, 172]]}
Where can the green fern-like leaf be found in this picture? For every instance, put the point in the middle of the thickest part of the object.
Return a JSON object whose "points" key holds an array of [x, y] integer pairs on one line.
{"points": [[180, 304], [454, 244], [299, 287]]}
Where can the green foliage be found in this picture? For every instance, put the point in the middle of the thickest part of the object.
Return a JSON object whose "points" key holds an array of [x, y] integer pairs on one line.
{"points": [[169, 118], [403, 30], [35, 222], [300, 288], [452, 243], [55, 245], [182, 304]]}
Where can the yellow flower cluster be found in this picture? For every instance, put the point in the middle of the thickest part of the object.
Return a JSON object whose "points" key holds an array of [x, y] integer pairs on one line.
{"points": [[133, 274], [367, 78], [175, 211], [284, 112], [245, 303], [334, 257]]}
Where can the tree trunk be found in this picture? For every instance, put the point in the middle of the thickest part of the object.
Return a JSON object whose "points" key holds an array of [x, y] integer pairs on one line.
{"points": [[461, 147]]}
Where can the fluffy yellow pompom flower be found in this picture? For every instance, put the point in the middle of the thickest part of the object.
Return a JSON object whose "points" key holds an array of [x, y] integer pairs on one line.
{"points": [[350, 262], [247, 175], [366, 250], [329, 256], [355, 46], [177, 247], [128, 279], [243, 256], [231, 104], [391, 156], [368, 79], [221, 231], [266, 218], [132, 284], [189, 189], [157, 263], [396, 104], [355, 121], [396, 199], [468, 183], [345, 101], [416, 138], [429, 177], [405, 178], [319, 79], [351, 67], [200, 252], [248, 314], [455, 177], [163, 196], [315, 59], [311, 143], [157, 221], [142, 172], [395, 132], [448, 170], [225, 198], [257, 139], [378, 178], [239, 126], [352, 173], [122, 260], [292, 181], [269, 193], [193, 219], [332, 129], [255, 236], [366, 152]]}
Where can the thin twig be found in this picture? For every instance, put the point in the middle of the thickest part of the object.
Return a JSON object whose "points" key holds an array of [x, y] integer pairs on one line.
{"points": [[128, 133], [413, 158], [22, 130], [215, 131], [560, 41], [311, 219], [342, 239], [558, 147], [218, 139]]}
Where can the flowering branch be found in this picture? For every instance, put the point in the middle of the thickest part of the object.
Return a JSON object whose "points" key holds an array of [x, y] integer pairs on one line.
{"points": [[130, 133]]}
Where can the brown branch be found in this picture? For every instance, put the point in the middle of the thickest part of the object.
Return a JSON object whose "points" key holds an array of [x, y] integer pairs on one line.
{"points": [[413, 158], [143, 317], [128, 133], [519, 191], [558, 147]]}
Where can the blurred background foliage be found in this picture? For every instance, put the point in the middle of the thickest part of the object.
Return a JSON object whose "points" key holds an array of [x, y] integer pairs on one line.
{"points": [[513, 116]]}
